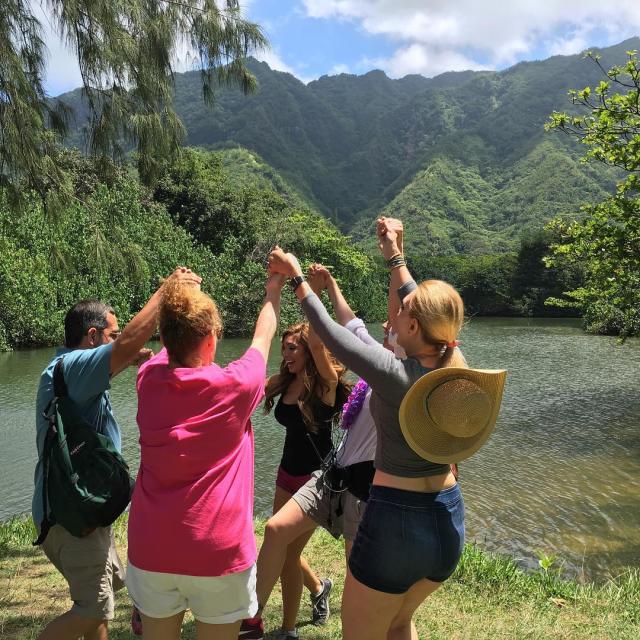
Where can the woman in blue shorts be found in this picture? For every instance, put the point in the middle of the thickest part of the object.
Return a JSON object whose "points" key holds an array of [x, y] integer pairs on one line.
{"points": [[412, 533]]}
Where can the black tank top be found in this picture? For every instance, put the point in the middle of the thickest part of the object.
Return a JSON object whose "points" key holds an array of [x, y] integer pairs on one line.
{"points": [[304, 451]]}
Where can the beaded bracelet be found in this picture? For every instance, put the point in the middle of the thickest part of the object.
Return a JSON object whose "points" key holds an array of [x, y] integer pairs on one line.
{"points": [[393, 257], [396, 261]]}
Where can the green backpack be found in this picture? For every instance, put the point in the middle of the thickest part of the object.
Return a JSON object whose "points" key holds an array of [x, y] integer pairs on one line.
{"points": [[85, 480]]}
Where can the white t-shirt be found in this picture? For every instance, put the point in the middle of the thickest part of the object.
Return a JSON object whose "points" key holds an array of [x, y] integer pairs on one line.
{"points": [[359, 442]]}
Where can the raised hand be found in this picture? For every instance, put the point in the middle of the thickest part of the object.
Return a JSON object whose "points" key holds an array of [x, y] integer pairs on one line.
{"points": [[284, 263], [394, 225], [143, 355], [318, 277], [387, 237], [186, 276]]}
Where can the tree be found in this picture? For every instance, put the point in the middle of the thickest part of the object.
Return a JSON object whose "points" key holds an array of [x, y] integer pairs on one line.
{"points": [[125, 52], [605, 241]]}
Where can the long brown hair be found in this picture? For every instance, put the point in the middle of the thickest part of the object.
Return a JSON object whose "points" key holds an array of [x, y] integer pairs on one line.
{"points": [[439, 310], [314, 385]]}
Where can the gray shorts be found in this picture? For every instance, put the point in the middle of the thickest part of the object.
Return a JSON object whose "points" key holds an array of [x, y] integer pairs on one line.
{"points": [[91, 567], [338, 513]]}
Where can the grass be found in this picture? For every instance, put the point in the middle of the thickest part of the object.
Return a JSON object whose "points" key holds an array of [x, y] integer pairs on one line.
{"points": [[489, 597]]}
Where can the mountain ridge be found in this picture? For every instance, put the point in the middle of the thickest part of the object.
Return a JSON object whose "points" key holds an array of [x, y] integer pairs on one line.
{"points": [[352, 145]]}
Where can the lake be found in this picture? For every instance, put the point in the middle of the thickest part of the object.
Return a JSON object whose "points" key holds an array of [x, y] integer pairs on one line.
{"points": [[560, 475]]}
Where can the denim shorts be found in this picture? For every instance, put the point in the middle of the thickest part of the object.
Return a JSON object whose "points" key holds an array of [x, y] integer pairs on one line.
{"points": [[405, 536]]}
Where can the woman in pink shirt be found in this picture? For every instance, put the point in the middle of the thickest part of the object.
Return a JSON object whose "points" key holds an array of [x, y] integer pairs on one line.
{"points": [[191, 542]]}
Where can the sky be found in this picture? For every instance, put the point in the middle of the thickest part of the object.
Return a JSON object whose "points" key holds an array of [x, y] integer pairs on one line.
{"points": [[311, 38]]}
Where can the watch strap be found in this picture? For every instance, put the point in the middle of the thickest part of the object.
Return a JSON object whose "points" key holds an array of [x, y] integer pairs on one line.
{"points": [[296, 281]]}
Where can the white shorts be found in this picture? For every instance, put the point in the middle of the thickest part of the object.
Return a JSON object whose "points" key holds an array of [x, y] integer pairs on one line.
{"points": [[212, 600]]}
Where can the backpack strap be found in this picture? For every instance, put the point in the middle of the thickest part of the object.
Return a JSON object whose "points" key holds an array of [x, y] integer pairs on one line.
{"points": [[50, 412], [47, 521], [59, 385]]}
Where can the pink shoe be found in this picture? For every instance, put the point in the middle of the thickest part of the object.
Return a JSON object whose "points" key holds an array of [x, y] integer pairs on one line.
{"points": [[136, 622], [251, 629]]}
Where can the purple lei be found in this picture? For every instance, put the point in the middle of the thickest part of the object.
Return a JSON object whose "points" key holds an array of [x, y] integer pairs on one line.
{"points": [[352, 407]]}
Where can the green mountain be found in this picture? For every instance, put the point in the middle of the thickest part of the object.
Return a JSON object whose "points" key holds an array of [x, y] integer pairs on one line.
{"points": [[454, 207], [463, 157]]}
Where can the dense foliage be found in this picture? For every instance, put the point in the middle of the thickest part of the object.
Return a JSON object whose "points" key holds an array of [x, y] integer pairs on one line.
{"points": [[114, 240], [504, 284], [241, 218], [110, 241], [605, 240], [126, 55]]}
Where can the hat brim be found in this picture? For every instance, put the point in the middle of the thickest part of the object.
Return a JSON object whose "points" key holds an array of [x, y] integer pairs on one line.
{"points": [[422, 434]]}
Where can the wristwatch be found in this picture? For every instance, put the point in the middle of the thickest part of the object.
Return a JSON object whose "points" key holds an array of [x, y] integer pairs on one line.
{"points": [[296, 281]]}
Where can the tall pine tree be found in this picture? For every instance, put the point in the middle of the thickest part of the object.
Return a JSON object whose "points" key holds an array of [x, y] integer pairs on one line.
{"points": [[126, 54]]}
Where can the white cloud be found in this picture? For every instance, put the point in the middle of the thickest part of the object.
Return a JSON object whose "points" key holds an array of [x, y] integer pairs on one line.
{"points": [[438, 35], [273, 59], [417, 58], [339, 68], [568, 45]]}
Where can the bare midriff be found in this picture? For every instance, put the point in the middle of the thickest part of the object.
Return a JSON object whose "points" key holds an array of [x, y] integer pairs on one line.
{"points": [[425, 484]]}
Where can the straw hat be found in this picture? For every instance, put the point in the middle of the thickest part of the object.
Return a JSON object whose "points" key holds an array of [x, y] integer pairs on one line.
{"points": [[449, 413]]}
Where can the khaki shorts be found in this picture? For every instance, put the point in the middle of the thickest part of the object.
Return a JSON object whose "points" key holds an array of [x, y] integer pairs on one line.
{"points": [[91, 567], [212, 600], [338, 513]]}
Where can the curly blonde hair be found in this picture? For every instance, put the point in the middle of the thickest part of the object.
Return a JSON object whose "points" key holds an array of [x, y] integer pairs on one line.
{"points": [[314, 385], [186, 316], [439, 310]]}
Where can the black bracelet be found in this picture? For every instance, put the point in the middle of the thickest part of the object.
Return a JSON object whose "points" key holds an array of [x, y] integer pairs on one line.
{"points": [[392, 258], [296, 281], [396, 261]]}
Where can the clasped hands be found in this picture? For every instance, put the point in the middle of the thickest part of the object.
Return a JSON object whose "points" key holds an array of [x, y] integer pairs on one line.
{"points": [[390, 242], [287, 265]]}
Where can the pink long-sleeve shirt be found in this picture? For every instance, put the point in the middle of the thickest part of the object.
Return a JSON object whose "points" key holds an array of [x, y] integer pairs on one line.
{"points": [[192, 507]]}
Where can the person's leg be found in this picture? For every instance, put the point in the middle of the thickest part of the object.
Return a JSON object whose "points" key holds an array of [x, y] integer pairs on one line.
{"points": [[348, 545], [217, 631], [162, 628], [87, 566], [288, 523], [353, 509], [291, 580], [368, 614], [101, 633], [70, 626], [309, 578], [402, 626]]}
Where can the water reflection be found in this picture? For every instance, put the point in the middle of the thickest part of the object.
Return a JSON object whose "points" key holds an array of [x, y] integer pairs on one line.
{"points": [[561, 473]]}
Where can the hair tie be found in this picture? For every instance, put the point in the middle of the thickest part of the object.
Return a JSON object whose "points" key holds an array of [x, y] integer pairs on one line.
{"points": [[453, 344]]}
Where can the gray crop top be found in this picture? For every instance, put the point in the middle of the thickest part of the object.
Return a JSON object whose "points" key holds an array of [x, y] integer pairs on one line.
{"points": [[389, 379]]}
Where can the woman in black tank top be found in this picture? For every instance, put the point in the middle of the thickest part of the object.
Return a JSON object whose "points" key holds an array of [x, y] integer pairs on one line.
{"points": [[310, 391]]}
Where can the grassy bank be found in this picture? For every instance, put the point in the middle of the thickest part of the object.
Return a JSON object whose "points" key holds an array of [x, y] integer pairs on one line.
{"points": [[488, 597]]}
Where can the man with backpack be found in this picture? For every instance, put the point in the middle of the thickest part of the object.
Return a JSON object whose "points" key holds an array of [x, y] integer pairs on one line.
{"points": [[95, 351]]}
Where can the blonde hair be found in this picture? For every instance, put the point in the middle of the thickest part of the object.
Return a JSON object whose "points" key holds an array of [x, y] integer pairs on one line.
{"points": [[314, 384], [186, 316], [439, 310]]}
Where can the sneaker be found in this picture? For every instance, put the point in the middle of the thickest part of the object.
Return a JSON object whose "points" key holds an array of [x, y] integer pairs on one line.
{"points": [[285, 635], [136, 622], [320, 603], [251, 629]]}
